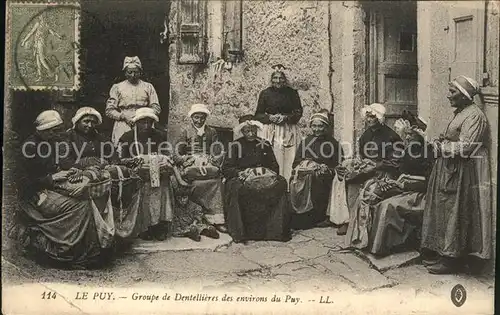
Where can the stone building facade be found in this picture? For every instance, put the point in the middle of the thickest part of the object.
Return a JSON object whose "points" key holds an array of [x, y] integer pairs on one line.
{"points": [[341, 55]]}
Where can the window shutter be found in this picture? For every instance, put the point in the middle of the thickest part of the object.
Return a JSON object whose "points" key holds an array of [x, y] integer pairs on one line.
{"points": [[232, 25], [192, 35]]}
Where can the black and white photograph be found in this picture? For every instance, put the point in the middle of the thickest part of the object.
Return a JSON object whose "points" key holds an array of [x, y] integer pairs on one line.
{"points": [[250, 157]]}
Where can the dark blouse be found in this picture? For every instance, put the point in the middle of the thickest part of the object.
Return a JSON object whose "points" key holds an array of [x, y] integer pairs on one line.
{"points": [[245, 154], [380, 143], [93, 144], [190, 142], [154, 141], [323, 150], [38, 167], [284, 101]]}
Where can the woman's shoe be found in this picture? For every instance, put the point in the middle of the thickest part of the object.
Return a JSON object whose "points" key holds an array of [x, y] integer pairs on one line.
{"points": [[222, 228], [146, 236], [445, 265], [211, 232], [429, 257], [342, 230], [194, 234], [429, 262], [159, 232]]}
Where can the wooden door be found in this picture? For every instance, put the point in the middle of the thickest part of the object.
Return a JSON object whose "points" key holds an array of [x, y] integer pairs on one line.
{"points": [[466, 33], [393, 58], [112, 30]]}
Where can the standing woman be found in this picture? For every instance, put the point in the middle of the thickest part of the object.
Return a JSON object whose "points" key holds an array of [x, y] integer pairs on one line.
{"points": [[128, 96], [458, 213], [279, 109]]}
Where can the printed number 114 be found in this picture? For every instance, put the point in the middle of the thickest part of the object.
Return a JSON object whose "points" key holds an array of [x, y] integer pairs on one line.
{"points": [[48, 295]]}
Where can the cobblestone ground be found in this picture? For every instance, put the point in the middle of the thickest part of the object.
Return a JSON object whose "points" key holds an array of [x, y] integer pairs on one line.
{"points": [[311, 262]]}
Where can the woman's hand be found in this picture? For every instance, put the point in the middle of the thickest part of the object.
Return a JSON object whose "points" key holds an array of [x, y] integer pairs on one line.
{"points": [[126, 119], [133, 162], [242, 175], [341, 171], [273, 118], [323, 169], [398, 183], [60, 176], [188, 161], [75, 176], [82, 185]]}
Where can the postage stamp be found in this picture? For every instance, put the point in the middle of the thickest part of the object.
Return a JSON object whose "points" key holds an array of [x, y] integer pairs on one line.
{"points": [[44, 43]]}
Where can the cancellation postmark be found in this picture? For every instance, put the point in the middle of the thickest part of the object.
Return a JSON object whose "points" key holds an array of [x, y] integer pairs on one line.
{"points": [[44, 46]]}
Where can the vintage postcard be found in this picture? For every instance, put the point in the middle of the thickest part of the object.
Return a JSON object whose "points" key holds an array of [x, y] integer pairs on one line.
{"points": [[250, 157]]}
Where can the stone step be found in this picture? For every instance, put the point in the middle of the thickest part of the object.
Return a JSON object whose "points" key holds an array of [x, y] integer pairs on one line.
{"points": [[180, 244]]}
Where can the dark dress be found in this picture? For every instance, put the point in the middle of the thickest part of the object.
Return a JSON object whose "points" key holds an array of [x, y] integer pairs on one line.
{"points": [[381, 225], [323, 150], [397, 221], [58, 228], [251, 216], [284, 137]]}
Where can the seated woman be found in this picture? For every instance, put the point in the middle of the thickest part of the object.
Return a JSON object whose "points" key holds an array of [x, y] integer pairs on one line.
{"points": [[388, 212], [58, 227], [87, 146], [198, 148], [93, 151], [157, 197], [313, 169], [255, 198], [377, 144]]}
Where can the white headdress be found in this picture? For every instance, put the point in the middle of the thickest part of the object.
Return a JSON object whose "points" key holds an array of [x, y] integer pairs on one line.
{"points": [[145, 112], [375, 109], [132, 62], [86, 111], [48, 119]]}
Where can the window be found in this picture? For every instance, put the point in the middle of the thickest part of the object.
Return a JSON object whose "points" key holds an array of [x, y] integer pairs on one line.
{"points": [[191, 21], [407, 41]]}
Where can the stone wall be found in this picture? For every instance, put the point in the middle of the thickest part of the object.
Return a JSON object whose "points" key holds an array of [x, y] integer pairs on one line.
{"points": [[293, 33]]}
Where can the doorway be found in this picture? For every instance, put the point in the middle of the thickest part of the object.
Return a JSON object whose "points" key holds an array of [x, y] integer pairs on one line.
{"points": [[112, 30], [393, 67]]}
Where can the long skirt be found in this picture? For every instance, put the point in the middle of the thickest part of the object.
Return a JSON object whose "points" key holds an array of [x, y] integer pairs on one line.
{"points": [[396, 220], [361, 213], [458, 211], [252, 216], [208, 194], [320, 195], [156, 204], [126, 201], [65, 230]]}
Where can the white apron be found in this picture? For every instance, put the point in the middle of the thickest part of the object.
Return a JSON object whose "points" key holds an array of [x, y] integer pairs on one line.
{"points": [[284, 139]]}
